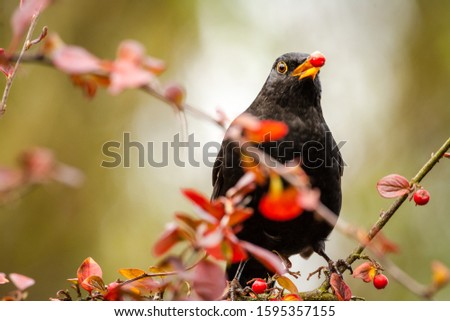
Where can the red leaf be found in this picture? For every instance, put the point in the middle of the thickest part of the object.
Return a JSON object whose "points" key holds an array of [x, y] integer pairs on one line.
{"points": [[268, 130], [21, 282], [340, 288], [393, 186], [114, 292], [447, 155], [209, 280], [169, 238], [215, 209], [210, 237], [365, 271], [87, 269], [283, 207], [270, 260]]}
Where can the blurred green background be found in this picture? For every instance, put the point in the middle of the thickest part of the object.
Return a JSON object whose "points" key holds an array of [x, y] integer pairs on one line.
{"points": [[385, 92]]}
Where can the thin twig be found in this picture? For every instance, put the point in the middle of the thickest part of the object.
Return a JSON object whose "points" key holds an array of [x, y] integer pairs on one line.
{"points": [[147, 275], [10, 80]]}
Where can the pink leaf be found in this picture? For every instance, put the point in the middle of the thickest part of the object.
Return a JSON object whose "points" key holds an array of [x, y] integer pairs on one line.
{"points": [[209, 280], [393, 186], [265, 257], [341, 289], [21, 282], [9, 179], [128, 70], [132, 51], [3, 278], [75, 60], [127, 75]]}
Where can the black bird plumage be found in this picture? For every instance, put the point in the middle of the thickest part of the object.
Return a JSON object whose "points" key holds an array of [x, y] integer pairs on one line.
{"points": [[296, 102]]}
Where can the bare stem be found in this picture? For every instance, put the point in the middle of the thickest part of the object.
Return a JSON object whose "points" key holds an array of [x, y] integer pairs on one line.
{"points": [[10, 80]]}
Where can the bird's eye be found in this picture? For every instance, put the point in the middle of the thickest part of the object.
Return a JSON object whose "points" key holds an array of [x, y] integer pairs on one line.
{"points": [[282, 68]]}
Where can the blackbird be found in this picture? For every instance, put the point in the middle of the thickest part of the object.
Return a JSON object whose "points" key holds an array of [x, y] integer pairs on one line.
{"points": [[291, 94]]}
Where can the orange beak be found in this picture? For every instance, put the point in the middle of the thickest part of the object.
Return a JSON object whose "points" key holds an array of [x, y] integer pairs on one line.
{"points": [[311, 66]]}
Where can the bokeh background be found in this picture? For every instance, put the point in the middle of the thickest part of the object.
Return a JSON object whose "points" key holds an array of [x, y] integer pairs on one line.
{"points": [[385, 93]]}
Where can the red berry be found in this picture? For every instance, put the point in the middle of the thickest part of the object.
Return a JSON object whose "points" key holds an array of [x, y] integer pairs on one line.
{"points": [[317, 59], [421, 196], [259, 286], [380, 281]]}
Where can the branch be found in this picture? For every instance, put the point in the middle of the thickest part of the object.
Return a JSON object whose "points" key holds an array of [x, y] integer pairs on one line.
{"points": [[387, 215]]}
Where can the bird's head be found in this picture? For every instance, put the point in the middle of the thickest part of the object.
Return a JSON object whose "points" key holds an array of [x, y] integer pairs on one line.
{"points": [[296, 74]]}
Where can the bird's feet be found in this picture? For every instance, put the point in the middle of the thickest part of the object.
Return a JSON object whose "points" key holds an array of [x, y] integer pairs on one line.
{"points": [[338, 266], [288, 265]]}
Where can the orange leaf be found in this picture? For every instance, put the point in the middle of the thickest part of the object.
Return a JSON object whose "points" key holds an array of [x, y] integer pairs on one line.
{"points": [[187, 220], [94, 282], [239, 216], [87, 269], [440, 274], [341, 289], [131, 273], [89, 83], [365, 271], [393, 186], [291, 297], [287, 284]]}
